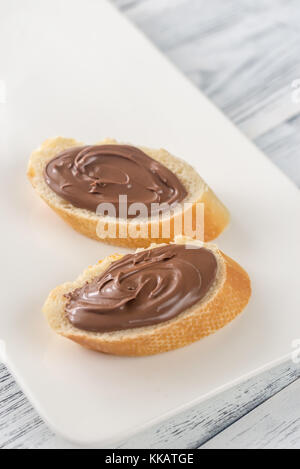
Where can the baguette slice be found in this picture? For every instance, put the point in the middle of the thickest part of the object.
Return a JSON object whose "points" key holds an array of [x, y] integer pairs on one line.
{"points": [[226, 298], [216, 216]]}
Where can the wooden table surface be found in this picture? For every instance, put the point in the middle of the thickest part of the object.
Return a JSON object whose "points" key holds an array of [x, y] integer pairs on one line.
{"points": [[244, 55]]}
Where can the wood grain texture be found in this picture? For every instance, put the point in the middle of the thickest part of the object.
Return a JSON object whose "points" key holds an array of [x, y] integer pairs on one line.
{"points": [[272, 425], [244, 56], [20, 425], [198, 425]]}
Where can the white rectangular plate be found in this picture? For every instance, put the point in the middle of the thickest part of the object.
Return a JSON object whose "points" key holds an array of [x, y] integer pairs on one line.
{"points": [[79, 69]]}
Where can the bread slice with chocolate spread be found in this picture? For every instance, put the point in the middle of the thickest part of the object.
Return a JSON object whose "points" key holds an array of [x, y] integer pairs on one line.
{"points": [[104, 228], [156, 289]]}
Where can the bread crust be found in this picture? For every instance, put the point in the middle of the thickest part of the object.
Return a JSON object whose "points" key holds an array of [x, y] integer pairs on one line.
{"points": [[230, 297], [216, 216]]}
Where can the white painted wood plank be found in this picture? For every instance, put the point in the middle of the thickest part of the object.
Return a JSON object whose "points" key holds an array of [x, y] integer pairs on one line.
{"points": [[243, 55], [273, 425], [282, 145], [20, 425], [194, 427]]}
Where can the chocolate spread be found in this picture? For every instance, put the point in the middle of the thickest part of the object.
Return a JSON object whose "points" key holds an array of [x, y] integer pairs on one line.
{"points": [[90, 175], [143, 289]]}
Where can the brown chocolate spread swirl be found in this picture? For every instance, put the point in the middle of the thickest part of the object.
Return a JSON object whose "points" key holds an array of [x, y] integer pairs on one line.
{"points": [[143, 289], [90, 175]]}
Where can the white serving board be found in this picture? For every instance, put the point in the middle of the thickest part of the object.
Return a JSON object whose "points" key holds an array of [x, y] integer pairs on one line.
{"points": [[79, 69]]}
